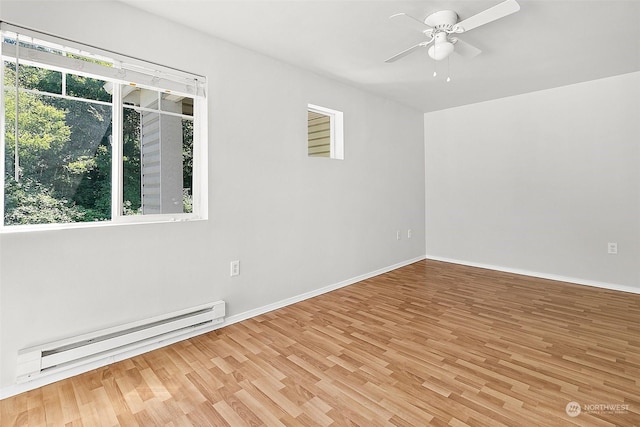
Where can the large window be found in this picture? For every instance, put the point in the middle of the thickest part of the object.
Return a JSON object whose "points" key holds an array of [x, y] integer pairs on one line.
{"points": [[89, 136]]}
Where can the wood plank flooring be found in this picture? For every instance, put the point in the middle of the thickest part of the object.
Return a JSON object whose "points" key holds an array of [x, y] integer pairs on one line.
{"points": [[428, 344]]}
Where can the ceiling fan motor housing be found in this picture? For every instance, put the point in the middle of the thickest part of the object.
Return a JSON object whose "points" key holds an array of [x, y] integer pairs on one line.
{"points": [[442, 20]]}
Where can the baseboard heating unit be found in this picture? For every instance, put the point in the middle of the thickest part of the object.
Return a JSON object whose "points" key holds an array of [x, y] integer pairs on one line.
{"points": [[39, 360]]}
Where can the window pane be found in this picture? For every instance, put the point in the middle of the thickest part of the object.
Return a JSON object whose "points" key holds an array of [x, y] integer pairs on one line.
{"points": [[63, 159], [148, 98], [9, 73], [138, 97], [87, 88], [319, 134], [177, 104], [131, 185], [187, 165], [33, 78], [157, 157], [9, 106]]}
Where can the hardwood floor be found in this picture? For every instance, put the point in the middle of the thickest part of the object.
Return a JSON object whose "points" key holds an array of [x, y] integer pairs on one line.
{"points": [[428, 344]]}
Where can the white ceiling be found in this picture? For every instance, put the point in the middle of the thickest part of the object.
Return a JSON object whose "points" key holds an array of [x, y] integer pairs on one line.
{"points": [[548, 43]]}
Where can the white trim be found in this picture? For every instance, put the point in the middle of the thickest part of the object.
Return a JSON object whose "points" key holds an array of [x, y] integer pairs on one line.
{"points": [[556, 277], [337, 133], [153, 110], [15, 389], [2, 141], [130, 220], [200, 198], [59, 95], [116, 153], [298, 298]]}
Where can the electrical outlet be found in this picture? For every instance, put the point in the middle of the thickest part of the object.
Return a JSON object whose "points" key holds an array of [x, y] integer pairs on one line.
{"points": [[398, 236], [235, 268], [409, 233], [612, 248]]}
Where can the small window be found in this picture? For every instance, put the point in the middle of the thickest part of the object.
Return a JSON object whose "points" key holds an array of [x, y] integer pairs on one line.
{"points": [[324, 132]]}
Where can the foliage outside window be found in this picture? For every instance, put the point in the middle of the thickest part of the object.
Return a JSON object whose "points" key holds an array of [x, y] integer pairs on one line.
{"points": [[87, 138]]}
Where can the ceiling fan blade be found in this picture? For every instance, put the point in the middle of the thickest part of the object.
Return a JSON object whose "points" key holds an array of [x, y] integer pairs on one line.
{"points": [[493, 13], [466, 50], [411, 22], [407, 52]]}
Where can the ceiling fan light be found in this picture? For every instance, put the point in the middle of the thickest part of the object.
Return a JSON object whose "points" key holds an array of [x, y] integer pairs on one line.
{"points": [[440, 50]]}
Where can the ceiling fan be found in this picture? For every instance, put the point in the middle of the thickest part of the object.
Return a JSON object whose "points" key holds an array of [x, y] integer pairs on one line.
{"points": [[440, 26]]}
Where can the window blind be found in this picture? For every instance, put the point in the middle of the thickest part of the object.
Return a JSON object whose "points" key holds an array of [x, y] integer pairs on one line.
{"points": [[31, 47]]}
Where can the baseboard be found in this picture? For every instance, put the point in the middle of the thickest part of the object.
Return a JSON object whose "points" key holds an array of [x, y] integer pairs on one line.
{"points": [[288, 301], [592, 283], [16, 389]]}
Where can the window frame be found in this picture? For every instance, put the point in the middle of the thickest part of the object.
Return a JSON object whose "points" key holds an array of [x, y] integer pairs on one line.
{"points": [[125, 71], [336, 131]]}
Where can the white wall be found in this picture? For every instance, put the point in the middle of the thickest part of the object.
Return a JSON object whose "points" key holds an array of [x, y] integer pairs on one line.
{"points": [[540, 183], [297, 224]]}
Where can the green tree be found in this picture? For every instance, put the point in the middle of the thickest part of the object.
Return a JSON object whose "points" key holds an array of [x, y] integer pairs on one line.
{"points": [[187, 165], [29, 202], [82, 172], [42, 133], [63, 144]]}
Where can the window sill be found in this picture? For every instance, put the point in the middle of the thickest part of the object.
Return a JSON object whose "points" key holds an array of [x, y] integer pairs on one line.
{"points": [[139, 220]]}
